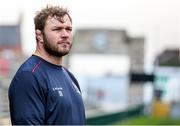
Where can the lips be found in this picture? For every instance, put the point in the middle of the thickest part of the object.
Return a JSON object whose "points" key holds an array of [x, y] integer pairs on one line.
{"points": [[64, 42]]}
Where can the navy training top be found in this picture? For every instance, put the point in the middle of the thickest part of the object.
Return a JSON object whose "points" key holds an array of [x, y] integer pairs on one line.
{"points": [[42, 93]]}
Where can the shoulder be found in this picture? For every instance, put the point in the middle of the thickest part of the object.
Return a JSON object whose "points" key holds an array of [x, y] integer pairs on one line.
{"points": [[28, 79], [31, 65], [22, 81], [28, 74], [26, 82]]}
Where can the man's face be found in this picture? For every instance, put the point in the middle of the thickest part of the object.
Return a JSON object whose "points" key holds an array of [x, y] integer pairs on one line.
{"points": [[57, 36]]}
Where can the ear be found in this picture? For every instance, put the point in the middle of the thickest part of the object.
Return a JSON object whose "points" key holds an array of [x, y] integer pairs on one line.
{"points": [[39, 35]]}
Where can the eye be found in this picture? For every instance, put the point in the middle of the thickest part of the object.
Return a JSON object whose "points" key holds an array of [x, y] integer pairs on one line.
{"points": [[69, 29], [56, 29]]}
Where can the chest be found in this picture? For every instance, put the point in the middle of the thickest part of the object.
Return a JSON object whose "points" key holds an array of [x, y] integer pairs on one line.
{"points": [[62, 90]]}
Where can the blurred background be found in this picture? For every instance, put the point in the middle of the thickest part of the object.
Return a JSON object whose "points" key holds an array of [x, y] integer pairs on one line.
{"points": [[125, 56]]}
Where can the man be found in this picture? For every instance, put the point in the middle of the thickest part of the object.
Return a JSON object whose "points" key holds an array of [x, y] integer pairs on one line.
{"points": [[43, 92]]}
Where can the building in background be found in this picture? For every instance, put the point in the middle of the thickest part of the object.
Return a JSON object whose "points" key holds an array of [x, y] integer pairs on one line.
{"points": [[10, 46], [111, 54], [167, 79], [167, 73]]}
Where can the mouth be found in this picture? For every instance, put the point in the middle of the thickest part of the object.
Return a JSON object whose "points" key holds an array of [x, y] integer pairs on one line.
{"points": [[64, 43]]}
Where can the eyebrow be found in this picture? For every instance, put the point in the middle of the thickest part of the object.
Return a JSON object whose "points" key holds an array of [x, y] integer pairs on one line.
{"points": [[61, 26]]}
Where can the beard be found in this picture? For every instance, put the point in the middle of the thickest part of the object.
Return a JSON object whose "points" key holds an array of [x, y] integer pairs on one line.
{"points": [[53, 50]]}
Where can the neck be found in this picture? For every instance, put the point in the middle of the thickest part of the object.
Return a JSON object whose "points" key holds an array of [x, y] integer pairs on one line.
{"points": [[52, 59]]}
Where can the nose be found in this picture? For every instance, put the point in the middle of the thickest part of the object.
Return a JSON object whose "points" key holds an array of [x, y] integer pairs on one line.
{"points": [[64, 33]]}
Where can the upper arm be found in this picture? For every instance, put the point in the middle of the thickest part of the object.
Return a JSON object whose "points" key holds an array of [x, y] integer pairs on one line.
{"points": [[26, 101]]}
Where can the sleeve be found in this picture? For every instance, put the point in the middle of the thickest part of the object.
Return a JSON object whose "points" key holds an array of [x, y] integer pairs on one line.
{"points": [[26, 101]]}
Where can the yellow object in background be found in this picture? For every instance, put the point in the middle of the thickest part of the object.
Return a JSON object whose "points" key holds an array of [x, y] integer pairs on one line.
{"points": [[160, 109]]}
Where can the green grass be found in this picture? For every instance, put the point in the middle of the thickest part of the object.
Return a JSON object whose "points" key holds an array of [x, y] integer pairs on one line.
{"points": [[147, 120]]}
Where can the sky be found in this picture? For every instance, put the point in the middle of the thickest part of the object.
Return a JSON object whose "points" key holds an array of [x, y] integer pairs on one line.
{"points": [[157, 20]]}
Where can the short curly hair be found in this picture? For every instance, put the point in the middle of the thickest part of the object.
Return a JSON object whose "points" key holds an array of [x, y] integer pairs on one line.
{"points": [[52, 11]]}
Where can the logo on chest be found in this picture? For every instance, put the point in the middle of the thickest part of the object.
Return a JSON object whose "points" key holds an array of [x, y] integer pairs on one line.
{"points": [[59, 90]]}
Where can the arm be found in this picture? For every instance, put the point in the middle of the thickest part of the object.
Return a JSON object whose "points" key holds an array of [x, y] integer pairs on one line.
{"points": [[25, 100]]}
